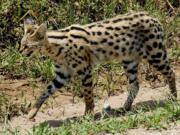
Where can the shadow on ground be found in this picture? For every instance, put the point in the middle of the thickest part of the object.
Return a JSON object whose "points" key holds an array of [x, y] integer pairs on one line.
{"points": [[109, 113]]}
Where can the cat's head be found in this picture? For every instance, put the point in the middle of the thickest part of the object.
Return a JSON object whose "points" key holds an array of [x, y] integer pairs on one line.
{"points": [[34, 38]]}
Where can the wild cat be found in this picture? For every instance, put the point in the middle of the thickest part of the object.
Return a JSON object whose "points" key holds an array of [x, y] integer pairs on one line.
{"points": [[77, 49]]}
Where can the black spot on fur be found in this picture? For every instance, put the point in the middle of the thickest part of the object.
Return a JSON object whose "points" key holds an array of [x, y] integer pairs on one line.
{"points": [[142, 20], [103, 51], [147, 21], [81, 48], [137, 32], [80, 72], [167, 67], [109, 28], [127, 43], [117, 28], [49, 87], [165, 56], [149, 48], [117, 20], [132, 71], [110, 43], [74, 65], [103, 41], [136, 24], [99, 33], [146, 31], [107, 33], [99, 25], [116, 54], [75, 45], [131, 48], [98, 49], [110, 53], [117, 40], [132, 80], [141, 14], [145, 39], [57, 84], [155, 44], [159, 54], [123, 49], [61, 75], [111, 37], [94, 43], [57, 66], [116, 35], [126, 62], [50, 92], [161, 67], [165, 73], [145, 56], [160, 45], [135, 16], [154, 61], [69, 41], [125, 27], [116, 47], [151, 36], [91, 26], [158, 36], [123, 39], [81, 58], [129, 35]]}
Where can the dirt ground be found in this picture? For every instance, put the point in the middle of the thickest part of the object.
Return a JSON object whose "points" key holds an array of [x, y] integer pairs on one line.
{"points": [[61, 106]]}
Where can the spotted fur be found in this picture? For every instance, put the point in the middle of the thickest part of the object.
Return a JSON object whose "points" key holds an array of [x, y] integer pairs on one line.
{"points": [[77, 49]]}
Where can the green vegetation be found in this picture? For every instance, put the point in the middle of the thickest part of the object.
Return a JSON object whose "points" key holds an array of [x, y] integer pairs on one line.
{"points": [[161, 117], [14, 65], [62, 13]]}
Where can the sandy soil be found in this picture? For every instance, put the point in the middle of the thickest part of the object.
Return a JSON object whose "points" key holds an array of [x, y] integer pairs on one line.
{"points": [[62, 107]]}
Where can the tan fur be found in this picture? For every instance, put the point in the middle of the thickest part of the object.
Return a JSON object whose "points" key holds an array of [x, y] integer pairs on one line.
{"points": [[76, 49]]}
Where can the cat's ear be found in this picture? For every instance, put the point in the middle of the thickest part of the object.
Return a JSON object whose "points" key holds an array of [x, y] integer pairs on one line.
{"points": [[41, 31]]}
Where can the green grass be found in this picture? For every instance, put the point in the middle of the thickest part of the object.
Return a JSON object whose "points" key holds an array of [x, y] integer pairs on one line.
{"points": [[175, 52], [63, 14], [14, 65], [161, 117]]}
